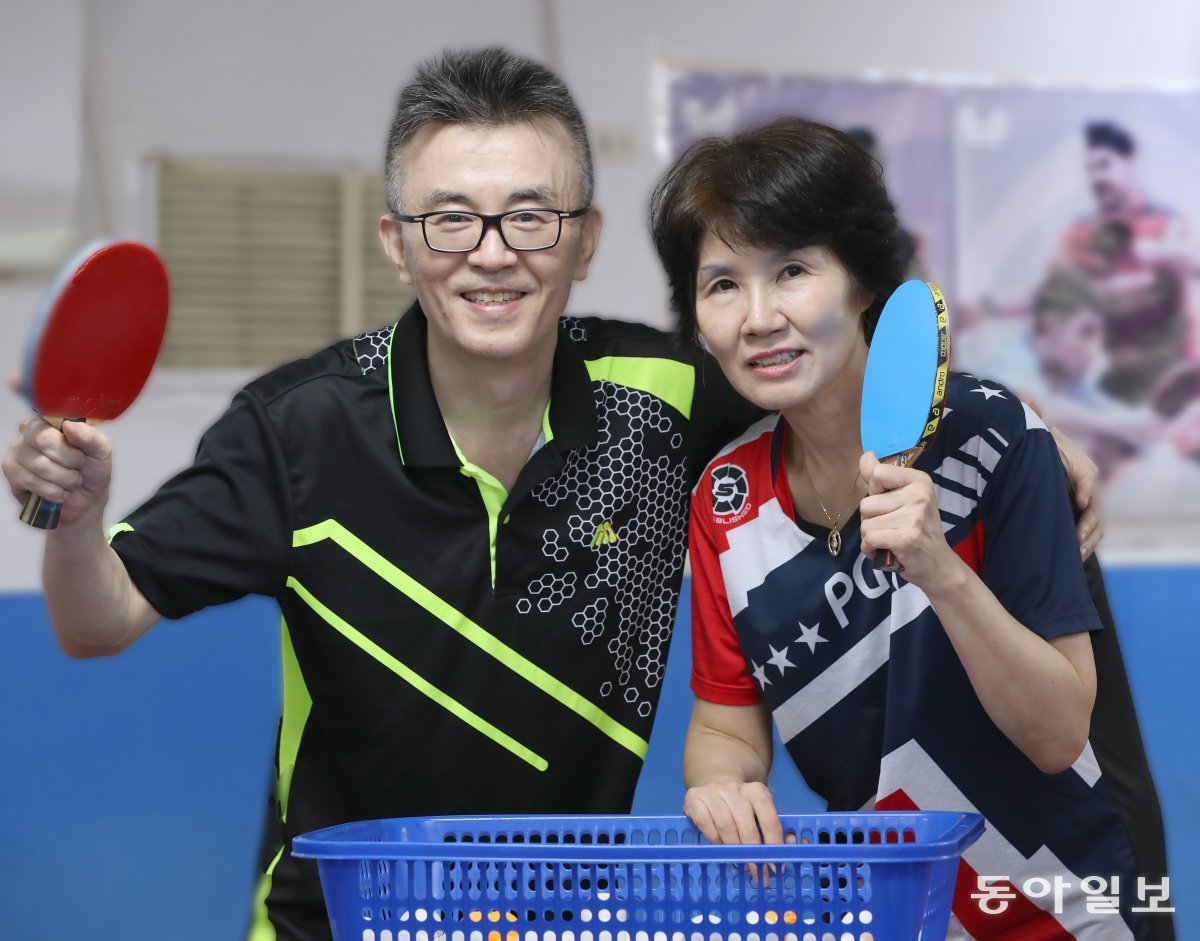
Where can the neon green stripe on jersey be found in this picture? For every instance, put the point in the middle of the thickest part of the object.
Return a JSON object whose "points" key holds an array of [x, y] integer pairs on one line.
{"points": [[493, 494], [116, 529], [418, 682], [455, 619], [667, 379], [261, 928], [547, 431], [297, 704], [392, 392]]}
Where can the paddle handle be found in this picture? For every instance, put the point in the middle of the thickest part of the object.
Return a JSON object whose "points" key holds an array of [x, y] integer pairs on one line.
{"points": [[38, 512], [885, 560]]}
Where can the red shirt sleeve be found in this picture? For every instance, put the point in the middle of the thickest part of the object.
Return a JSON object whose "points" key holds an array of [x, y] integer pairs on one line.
{"points": [[719, 671]]}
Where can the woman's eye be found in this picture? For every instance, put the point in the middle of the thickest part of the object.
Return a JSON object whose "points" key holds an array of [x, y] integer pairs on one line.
{"points": [[724, 284], [793, 271]]}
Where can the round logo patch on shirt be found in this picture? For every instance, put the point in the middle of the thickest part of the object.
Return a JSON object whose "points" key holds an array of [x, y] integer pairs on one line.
{"points": [[729, 489]]}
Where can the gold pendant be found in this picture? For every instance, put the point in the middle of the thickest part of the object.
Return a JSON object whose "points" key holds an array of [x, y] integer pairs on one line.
{"points": [[834, 542]]}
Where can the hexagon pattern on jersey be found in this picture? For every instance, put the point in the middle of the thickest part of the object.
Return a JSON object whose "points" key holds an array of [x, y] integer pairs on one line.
{"points": [[372, 348], [574, 327], [625, 539], [615, 560]]}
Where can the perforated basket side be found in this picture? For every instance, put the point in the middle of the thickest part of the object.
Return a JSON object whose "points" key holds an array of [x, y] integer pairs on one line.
{"points": [[435, 900], [850, 877]]}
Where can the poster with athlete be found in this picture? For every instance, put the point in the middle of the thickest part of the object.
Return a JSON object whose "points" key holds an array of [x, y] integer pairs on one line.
{"points": [[1078, 269]]}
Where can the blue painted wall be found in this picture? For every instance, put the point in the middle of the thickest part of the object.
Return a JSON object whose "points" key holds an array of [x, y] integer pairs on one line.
{"points": [[131, 788]]}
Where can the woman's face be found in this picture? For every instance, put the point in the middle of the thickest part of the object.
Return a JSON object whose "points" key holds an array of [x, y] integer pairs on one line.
{"points": [[783, 325]]}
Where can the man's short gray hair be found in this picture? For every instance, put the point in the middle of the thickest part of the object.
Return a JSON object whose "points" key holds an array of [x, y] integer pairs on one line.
{"points": [[485, 88]]}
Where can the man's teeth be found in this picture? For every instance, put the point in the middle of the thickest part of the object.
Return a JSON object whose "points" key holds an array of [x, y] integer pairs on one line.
{"points": [[491, 297], [775, 359]]}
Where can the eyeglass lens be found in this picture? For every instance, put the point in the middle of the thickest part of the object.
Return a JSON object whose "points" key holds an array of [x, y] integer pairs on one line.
{"points": [[523, 230]]}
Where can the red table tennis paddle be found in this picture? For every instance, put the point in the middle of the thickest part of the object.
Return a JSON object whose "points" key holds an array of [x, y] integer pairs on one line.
{"points": [[904, 384], [94, 342]]}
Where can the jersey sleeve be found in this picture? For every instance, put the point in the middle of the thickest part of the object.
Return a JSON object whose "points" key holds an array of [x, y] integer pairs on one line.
{"points": [[219, 530], [719, 671], [1031, 557]]}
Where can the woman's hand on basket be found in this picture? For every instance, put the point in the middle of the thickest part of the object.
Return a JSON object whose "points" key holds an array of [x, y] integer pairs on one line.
{"points": [[734, 812], [726, 760]]}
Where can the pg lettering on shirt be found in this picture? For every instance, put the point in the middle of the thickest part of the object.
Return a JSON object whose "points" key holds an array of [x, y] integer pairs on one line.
{"points": [[864, 579]]}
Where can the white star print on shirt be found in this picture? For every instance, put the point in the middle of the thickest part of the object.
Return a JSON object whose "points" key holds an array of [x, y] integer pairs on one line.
{"points": [[760, 674], [810, 636], [779, 659], [988, 393]]}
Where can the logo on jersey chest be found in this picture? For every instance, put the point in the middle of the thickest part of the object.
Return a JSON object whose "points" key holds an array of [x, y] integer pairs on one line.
{"points": [[730, 488], [605, 535]]}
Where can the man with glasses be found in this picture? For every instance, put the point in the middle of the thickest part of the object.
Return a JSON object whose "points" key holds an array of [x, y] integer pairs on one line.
{"points": [[473, 520]]}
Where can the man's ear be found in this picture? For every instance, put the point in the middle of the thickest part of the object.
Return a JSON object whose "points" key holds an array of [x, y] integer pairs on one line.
{"points": [[392, 239], [589, 238]]}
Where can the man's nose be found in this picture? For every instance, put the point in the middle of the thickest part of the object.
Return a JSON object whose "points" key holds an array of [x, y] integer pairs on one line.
{"points": [[492, 251]]}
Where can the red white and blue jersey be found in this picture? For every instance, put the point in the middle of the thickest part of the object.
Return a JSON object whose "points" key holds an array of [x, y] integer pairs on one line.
{"points": [[864, 686]]}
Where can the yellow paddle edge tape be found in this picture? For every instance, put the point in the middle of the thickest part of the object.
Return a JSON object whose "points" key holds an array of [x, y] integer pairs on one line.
{"points": [[936, 407]]}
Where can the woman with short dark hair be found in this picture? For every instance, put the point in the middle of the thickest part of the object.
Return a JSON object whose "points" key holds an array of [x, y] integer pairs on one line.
{"points": [[966, 684]]}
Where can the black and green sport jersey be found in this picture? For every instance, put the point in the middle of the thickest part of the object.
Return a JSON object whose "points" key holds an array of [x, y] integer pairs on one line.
{"points": [[448, 647]]}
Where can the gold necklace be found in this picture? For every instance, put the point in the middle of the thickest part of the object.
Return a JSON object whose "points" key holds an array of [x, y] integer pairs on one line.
{"points": [[834, 540]]}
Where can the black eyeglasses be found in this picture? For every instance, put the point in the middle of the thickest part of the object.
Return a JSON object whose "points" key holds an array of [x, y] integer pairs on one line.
{"points": [[522, 230]]}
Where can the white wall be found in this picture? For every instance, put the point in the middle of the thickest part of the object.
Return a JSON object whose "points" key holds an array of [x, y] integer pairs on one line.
{"points": [[306, 80], [40, 131]]}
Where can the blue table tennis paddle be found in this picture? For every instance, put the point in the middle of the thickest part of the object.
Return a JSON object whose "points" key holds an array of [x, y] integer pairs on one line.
{"points": [[904, 385]]}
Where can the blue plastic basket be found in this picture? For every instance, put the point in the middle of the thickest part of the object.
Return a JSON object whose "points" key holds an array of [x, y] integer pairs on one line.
{"points": [[881, 876]]}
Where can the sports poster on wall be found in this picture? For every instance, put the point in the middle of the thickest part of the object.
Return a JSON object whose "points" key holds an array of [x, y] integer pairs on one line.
{"points": [[1065, 230], [1078, 273]]}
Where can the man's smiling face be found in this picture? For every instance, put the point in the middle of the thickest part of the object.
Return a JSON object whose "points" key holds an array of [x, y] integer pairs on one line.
{"points": [[492, 303]]}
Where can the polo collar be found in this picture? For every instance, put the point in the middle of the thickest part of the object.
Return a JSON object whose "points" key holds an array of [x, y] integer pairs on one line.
{"points": [[421, 434]]}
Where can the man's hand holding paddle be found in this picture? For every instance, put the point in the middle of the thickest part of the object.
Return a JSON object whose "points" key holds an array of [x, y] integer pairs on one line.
{"points": [[90, 351], [71, 466]]}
